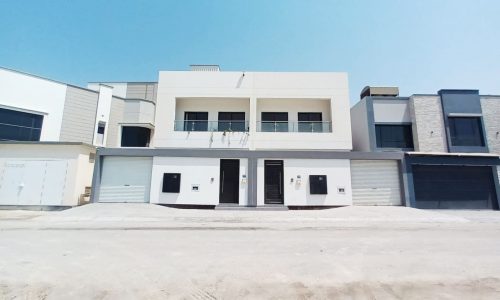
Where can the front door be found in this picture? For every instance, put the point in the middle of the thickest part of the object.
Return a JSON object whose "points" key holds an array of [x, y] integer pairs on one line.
{"points": [[229, 181], [273, 182]]}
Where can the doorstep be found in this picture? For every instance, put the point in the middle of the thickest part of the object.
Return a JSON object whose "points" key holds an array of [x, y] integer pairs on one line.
{"points": [[262, 207]]}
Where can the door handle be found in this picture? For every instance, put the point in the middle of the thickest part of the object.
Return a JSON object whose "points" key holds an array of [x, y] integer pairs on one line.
{"points": [[222, 183]]}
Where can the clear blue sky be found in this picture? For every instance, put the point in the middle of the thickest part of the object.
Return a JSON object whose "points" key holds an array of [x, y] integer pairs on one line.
{"points": [[420, 46]]}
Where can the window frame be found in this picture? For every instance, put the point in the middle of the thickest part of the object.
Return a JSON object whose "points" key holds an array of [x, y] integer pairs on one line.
{"points": [[21, 125], [408, 141], [452, 131]]}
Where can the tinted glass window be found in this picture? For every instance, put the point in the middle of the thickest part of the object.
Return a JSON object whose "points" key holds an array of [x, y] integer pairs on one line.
{"points": [[466, 131], [274, 122], [231, 121], [394, 136], [135, 136], [195, 121], [310, 122], [19, 126]]}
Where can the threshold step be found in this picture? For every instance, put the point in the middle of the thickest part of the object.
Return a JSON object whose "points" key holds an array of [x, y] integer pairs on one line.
{"points": [[263, 207]]}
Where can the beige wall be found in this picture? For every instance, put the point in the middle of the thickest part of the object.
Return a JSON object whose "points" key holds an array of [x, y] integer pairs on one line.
{"points": [[428, 124]]}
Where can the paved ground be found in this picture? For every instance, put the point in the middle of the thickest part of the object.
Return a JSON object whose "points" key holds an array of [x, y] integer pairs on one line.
{"points": [[118, 251]]}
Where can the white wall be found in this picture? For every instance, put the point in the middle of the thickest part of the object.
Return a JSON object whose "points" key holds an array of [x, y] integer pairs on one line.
{"points": [[33, 93], [391, 111], [338, 175], [359, 125], [79, 170], [194, 171], [256, 85], [103, 111], [119, 88]]}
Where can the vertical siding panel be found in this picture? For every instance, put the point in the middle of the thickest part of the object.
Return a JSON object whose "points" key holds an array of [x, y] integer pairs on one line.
{"points": [[79, 114], [115, 117]]}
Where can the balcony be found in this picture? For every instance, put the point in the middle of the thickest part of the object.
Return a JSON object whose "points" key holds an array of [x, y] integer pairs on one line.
{"points": [[210, 126], [294, 126]]}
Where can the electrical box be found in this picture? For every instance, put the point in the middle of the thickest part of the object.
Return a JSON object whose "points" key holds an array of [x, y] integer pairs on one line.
{"points": [[317, 185], [171, 183]]}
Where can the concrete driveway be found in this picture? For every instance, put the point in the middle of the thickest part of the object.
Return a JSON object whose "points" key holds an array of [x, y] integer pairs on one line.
{"points": [[135, 251]]}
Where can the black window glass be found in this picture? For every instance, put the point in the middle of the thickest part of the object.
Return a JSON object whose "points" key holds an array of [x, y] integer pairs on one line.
{"points": [[394, 136], [466, 131], [310, 122], [135, 136], [195, 121], [19, 126], [274, 122], [231, 121]]}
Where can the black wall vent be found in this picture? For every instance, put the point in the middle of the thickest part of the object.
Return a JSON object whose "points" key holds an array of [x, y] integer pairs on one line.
{"points": [[317, 185], [171, 182]]}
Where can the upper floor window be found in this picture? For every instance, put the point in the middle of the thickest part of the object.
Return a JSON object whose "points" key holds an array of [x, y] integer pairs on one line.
{"points": [[466, 131], [196, 121], [394, 136], [134, 136], [310, 122], [231, 121], [19, 126], [274, 122]]}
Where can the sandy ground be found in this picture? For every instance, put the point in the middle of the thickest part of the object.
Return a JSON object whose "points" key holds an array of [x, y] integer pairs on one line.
{"points": [[119, 251]]}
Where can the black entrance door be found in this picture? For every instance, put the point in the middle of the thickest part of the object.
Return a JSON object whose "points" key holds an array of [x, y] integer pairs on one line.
{"points": [[229, 181], [273, 182]]}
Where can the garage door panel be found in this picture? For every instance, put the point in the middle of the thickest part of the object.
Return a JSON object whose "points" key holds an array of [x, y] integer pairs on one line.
{"points": [[375, 182], [125, 179], [455, 187]]}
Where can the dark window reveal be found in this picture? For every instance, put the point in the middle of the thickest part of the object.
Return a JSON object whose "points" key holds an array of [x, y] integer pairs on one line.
{"points": [[466, 131], [231, 121], [19, 126], [195, 121], [394, 136], [310, 122], [135, 136]]}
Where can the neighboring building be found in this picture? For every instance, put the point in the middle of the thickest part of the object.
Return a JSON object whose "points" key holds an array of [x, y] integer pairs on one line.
{"points": [[451, 143], [47, 128], [238, 138]]}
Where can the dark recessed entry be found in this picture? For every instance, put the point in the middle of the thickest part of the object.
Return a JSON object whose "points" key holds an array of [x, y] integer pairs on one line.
{"points": [[171, 182], [317, 185]]}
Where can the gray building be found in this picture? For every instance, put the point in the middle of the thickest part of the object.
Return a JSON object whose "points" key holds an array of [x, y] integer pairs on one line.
{"points": [[450, 141]]}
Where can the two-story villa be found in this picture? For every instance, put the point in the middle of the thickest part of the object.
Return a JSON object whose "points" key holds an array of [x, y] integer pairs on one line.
{"points": [[451, 142], [234, 138]]}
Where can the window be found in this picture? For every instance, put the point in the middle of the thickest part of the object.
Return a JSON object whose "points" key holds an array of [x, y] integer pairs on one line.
{"points": [[135, 136], [100, 132], [466, 131], [394, 136], [195, 121], [19, 126], [310, 122], [231, 121], [274, 122]]}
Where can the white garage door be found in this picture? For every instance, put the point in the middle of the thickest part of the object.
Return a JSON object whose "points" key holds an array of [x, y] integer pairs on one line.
{"points": [[125, 179], [33, 182], [375, 182]]}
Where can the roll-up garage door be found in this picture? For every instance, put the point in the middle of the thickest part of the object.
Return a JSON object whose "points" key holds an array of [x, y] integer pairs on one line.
{"points": [[125, 179], [375, 182], [455, 187]]}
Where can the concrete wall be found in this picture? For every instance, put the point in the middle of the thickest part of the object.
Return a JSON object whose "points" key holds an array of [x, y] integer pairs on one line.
{"points": [[79, 167], [253, 86], [359, 127], [137, 111], [79, 115], [490, 106], [119, 88], [391, 111], [33, 93], [338, 176], [429, 132], [103, 111], [142, 90], [194, 171]]}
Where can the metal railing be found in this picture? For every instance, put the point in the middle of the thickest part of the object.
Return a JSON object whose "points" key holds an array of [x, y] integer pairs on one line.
{"points": [[294, 126], [188, 125]]}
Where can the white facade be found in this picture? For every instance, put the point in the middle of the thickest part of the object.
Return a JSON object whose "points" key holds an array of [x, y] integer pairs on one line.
{"points": [[253, 93], [37, 96]]}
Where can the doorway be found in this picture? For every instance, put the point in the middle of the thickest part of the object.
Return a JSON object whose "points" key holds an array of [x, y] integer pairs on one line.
{"points": [[229, 188], [273, 182]]}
